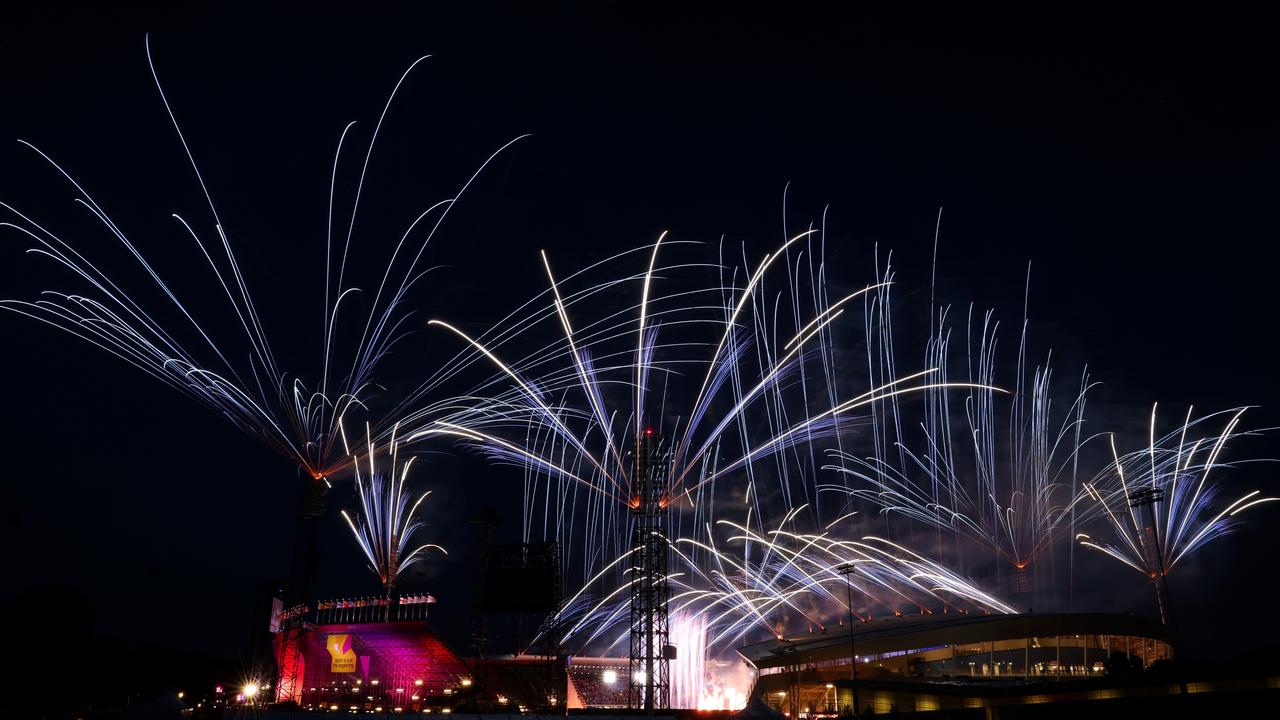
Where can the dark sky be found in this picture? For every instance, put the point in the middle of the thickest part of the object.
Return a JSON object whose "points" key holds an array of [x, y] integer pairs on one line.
{"points": [[1129, 159]]}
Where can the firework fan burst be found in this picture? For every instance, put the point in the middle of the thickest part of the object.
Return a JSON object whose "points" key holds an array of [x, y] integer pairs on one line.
{"points": [[1187, 507], [296, 418], [803, 583], [989, 479], [811, 576], [387, 520]]}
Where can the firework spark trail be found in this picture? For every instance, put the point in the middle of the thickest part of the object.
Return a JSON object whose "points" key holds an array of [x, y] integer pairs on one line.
{"points": [[886, 575], [385, 523], [297, 420], [802, 578], [982, 485], [522, 408], [1190, 513]]}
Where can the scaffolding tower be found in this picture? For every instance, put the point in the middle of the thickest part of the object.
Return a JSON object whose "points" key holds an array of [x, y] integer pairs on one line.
{"points": [[302, 573], [649, 685]]}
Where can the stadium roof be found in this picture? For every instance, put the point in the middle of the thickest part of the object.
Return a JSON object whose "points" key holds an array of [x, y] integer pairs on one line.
{"points": [[926, 631]]}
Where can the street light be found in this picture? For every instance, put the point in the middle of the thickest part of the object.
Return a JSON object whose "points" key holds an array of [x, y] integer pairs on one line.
{"points": [[845, 571]]}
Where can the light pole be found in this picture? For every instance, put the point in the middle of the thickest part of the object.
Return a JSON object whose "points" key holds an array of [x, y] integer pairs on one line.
{"points": [[845, 571], [1148, 497]]}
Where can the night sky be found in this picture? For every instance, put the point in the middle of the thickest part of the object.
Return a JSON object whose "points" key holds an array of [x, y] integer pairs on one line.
{"points": [[1130, 160]]}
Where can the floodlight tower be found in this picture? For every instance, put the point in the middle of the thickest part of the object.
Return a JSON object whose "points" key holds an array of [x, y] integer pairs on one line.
{"points": [[649, 685], [1147, 497]]}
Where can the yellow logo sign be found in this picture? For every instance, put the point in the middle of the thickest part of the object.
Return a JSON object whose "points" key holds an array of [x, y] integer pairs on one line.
{"points": [[342, 654]]}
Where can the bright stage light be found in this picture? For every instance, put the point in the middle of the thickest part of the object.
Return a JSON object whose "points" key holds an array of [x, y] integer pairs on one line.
{"points": [[610, 677]]}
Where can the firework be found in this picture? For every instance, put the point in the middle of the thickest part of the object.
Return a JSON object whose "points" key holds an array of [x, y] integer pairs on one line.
{"points": [[386, 522], [800, 578], [297, 419], [1187, 509], [989, 478]]}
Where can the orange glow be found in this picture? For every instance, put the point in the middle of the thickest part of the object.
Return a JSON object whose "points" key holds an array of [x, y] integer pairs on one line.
{"points": [[338, 466]]}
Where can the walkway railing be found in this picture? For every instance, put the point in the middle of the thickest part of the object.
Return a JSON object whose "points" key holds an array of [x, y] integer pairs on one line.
{"points": [[357, 610]]}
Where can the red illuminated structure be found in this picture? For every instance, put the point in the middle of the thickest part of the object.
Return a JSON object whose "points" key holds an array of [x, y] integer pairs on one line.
{"points": [[369, 665]]}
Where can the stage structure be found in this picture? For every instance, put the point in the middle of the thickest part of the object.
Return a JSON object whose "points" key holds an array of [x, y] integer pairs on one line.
{"points": [[521, 582], [336, 646], [649, 685]]}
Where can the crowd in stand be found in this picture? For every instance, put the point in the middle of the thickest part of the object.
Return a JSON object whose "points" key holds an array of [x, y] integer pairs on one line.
{"points": [[594, 691]]}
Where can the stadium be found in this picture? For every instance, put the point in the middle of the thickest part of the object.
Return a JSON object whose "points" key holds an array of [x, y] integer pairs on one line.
{"points": [[902, 661]]}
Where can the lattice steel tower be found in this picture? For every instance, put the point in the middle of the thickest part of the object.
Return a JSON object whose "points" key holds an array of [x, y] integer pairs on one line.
{"points": [[302, 573], [649, 685]]}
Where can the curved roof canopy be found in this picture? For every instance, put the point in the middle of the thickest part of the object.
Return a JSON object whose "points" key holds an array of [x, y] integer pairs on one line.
{"points": [[917, 632]]}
